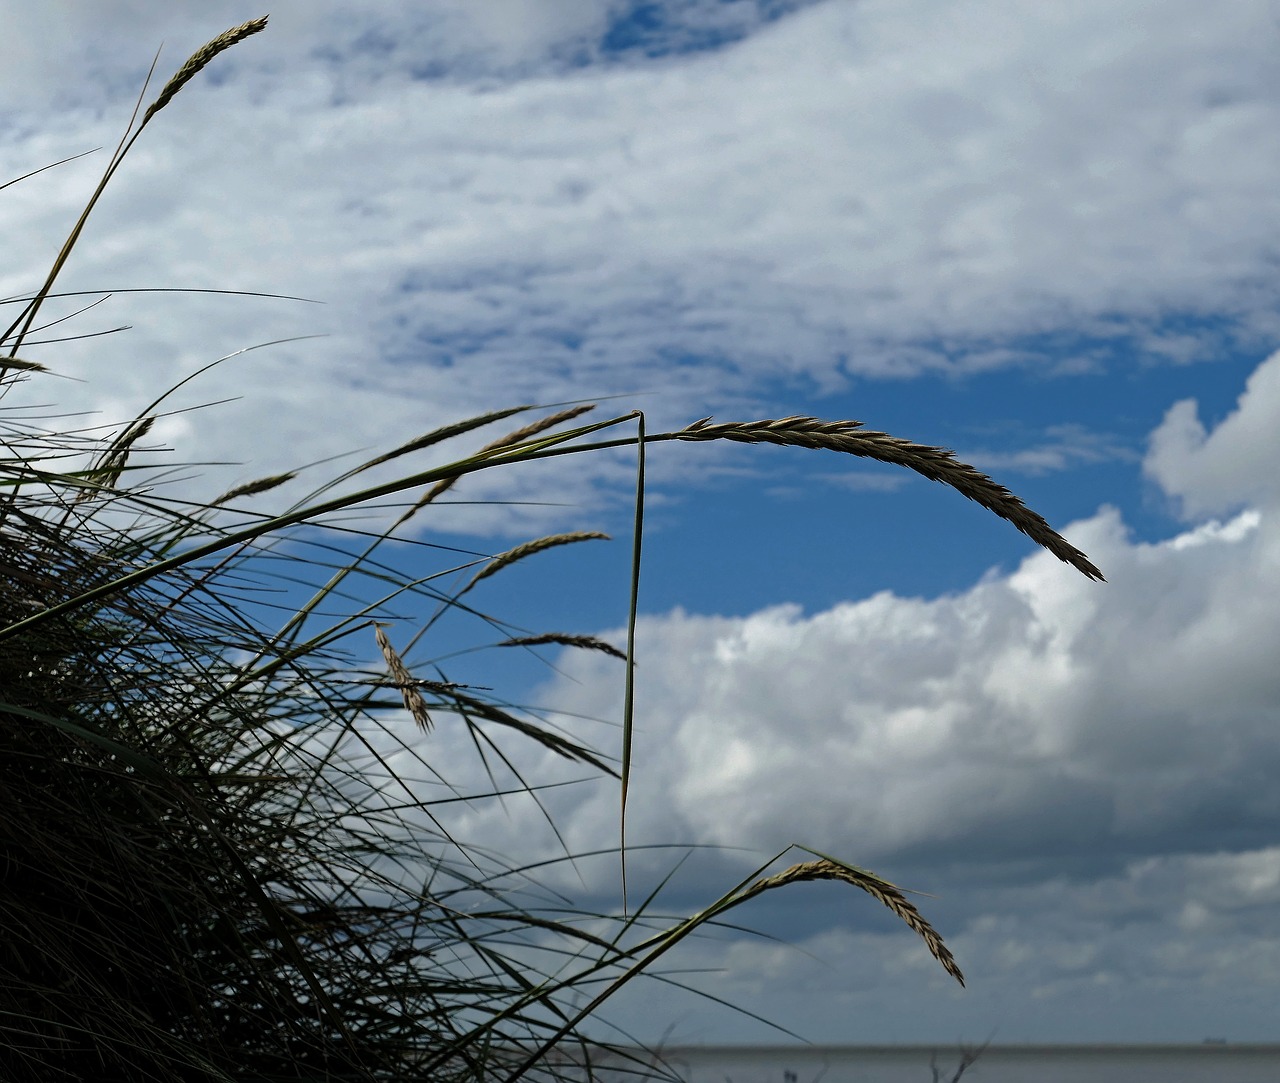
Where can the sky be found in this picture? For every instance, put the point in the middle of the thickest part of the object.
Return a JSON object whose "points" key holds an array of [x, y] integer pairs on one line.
{"points": [[1043, 235]]}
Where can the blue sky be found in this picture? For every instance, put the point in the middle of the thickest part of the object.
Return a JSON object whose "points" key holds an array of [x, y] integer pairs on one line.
{"points": [[1042, 235]]}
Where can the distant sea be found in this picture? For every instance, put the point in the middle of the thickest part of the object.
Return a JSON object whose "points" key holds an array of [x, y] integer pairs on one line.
{"points": [[1203, 1063]]}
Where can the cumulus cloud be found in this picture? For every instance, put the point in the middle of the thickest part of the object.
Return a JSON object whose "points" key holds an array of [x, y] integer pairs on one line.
{"points": [[1084, 771], [1209, 473], [1033, 718]]}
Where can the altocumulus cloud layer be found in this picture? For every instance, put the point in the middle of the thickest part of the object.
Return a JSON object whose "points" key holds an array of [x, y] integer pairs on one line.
{"points": [[551, 200]]}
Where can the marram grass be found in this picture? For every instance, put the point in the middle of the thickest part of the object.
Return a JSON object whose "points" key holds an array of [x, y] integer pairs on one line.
{"points": [[205, 876]]}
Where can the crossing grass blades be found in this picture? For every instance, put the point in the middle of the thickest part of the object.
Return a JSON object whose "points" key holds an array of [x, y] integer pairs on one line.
{"points": [[192, 886]]}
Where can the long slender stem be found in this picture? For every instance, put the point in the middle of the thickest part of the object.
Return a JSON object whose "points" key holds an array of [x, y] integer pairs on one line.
{"points": [[629, 700]]}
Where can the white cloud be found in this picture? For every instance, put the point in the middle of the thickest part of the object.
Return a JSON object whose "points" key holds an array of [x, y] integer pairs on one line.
{"points": [[867, 188], [1031, 718], [1084, 771], [1211, 473]]}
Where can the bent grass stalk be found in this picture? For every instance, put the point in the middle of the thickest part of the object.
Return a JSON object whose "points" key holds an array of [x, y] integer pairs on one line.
{"points": [[208, 883]]}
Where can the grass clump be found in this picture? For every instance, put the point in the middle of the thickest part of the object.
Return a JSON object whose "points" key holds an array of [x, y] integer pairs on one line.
{"points": [[212, 869]]}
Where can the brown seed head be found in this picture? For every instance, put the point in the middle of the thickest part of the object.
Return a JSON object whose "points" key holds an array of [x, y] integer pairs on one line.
{"points": [[200, 58]]}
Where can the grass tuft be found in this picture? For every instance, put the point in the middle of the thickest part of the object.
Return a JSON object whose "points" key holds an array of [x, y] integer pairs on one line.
{"points": [[223, 859]]}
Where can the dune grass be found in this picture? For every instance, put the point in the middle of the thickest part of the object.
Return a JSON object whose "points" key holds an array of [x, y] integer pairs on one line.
{"points": [[204, 875]]}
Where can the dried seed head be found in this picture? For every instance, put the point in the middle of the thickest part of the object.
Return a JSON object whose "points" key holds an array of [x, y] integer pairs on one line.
{"points": [[528, 431], [403, 679], [112, 463], [200, 58], [252, 488], [886, 892], [535, 428], [934, 463], [502, 560], [18, 363], [590, 643]]}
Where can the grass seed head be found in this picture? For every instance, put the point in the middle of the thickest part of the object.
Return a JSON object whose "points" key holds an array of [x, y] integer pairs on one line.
{"points": [[886, 892], [403, 679], [200, 58]]}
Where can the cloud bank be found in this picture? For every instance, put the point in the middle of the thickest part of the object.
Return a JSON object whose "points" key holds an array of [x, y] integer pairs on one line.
{"points": [[1084, 772]]}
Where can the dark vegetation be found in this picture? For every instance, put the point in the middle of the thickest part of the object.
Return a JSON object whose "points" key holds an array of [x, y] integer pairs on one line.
{"points": [[207, 871]]}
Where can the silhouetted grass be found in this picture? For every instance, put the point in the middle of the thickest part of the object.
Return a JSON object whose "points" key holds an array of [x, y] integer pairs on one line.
{"points": [[211, 869]]}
